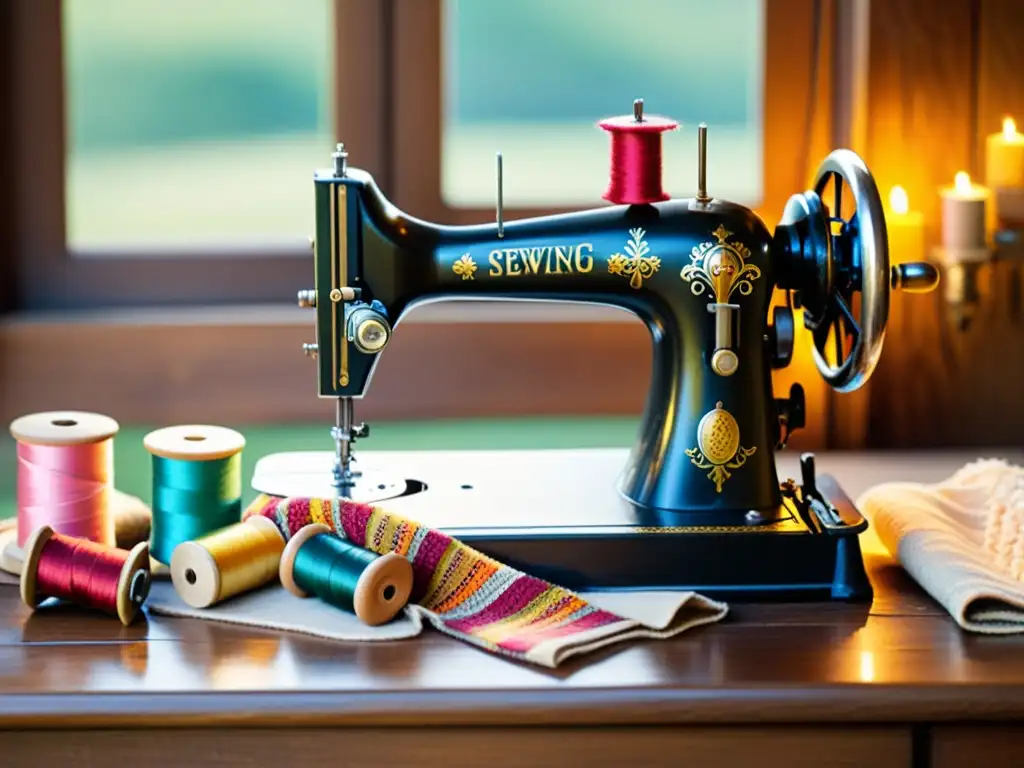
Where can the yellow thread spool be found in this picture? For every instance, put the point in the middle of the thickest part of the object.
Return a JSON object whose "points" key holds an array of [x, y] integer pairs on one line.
{"points": [[228, 562]]}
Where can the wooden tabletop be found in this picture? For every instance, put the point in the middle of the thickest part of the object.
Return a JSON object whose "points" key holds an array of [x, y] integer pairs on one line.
{"points": [[901, 658]]}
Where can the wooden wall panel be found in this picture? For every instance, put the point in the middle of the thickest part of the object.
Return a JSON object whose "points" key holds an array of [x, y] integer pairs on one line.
{"points": [[929, 65], [1000, 68], [168, 371], [7, 202]]}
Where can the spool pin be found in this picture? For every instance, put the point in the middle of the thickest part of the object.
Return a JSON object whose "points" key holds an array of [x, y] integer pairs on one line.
{"points": [[383, 587], [201, 579], [132, 585], [61, 431]]}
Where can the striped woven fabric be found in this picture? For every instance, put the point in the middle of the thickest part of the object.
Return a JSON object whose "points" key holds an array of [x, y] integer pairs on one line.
{"points": [[467, 594]]}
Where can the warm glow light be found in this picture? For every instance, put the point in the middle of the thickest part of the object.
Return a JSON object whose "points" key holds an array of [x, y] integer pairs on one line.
{"points": [[962, 183], [898, 201], [867, 666], [1009, 128]]}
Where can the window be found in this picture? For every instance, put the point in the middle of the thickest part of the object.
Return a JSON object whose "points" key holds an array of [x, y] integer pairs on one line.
{"points": [[165, 151], [532, 78], [194, 124], [163, 156]]}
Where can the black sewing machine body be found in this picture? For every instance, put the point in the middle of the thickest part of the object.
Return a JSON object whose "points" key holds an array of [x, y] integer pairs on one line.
{"points": [[654, 260], [701, 503]]}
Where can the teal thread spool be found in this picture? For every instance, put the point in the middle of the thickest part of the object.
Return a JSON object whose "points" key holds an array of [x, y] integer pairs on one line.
{"points": [[197, 484], [373, 587]]}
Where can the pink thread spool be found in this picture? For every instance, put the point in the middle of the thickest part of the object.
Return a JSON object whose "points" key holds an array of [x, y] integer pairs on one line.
{"points": [[636, 161], [65, 474]]}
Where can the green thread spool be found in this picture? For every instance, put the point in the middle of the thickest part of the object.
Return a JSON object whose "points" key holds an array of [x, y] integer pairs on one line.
{"points": [[373, 587], [197, 484]]}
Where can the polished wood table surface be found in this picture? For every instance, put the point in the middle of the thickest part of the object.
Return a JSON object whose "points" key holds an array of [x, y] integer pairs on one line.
{"points": [[896, 683]]}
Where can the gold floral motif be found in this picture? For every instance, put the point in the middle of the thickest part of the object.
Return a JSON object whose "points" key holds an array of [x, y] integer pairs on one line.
{"points": [[718, 446], [636, 264], [464, 267], [720, 266]]}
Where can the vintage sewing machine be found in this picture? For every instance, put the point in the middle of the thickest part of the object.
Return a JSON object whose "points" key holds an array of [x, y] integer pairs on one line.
{"points": [[697, 503]]}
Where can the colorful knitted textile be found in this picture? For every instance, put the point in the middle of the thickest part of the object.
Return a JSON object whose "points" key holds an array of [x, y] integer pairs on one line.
{"points": [[472, 597]]}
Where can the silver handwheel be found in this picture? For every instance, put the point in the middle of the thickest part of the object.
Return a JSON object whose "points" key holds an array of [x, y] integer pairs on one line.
{"points": [[859, 249]]}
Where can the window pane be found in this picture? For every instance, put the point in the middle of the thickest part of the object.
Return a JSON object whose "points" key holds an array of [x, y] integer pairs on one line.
{"points": [[531, 79], [195, 122]]}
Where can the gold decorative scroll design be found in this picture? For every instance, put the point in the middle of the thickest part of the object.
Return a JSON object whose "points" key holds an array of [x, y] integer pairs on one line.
{"points": [[718, 446], [635, 263], [721, 267]]}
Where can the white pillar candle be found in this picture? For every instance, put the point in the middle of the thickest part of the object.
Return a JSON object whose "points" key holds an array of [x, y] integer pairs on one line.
{"points": [[964, 208], [1004, 157], [1004, 175], [905, 229]]}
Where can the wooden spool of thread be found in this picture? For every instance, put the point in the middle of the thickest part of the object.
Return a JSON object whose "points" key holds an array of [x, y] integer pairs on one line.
{"points": [[635, 176], [237, 559], [65, 474], [85, 573], [197, 484], [373, 587]]}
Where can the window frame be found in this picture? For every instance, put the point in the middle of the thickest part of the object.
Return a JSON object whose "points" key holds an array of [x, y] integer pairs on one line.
{"points": [[152, 323], [51, 277], [418, 120]]}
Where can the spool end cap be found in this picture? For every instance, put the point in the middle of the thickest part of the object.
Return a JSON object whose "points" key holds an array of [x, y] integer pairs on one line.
{"points": [[33, 549], [286, 572]]}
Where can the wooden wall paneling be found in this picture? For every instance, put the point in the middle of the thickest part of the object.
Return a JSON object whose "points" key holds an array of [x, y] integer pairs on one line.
{"points": [[807, 128], [1000, 69], [848, 412], [362, 93], [7, 202], [992, 361], [173, 371], [921, 93]]}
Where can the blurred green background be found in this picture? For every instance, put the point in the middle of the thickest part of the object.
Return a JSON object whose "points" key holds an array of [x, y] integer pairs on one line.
{"points": [[199, 123], [133, 471]]}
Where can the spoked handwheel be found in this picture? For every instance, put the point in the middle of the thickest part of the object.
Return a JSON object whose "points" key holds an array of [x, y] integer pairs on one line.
{"points": [[859, 248], [832, 258]]}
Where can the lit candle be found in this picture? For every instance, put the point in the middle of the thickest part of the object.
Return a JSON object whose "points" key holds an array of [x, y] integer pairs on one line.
{"points": [[963, 215], [905, 228], [1004, 174], [1004, 157]]}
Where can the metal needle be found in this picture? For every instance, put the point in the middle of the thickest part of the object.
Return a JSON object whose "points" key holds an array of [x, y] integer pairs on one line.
{"points": [[342, 434]]}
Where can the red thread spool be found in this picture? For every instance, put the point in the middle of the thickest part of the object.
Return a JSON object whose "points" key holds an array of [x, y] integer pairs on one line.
{"points": [[85, 573], [636, 165]]}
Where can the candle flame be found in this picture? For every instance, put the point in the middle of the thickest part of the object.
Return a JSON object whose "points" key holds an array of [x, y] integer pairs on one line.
{"points": [[899, 203], [1009, 128], [962, 183]]}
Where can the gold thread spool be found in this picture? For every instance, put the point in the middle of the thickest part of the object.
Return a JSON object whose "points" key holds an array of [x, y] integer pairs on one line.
{"points": [[228, 562]]}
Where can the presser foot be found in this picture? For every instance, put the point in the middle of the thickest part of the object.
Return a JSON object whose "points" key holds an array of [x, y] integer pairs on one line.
{"points": [[344, 433]]}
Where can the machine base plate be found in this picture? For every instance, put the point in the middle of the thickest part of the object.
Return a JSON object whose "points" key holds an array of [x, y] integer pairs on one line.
{"points": [[558, 515]]}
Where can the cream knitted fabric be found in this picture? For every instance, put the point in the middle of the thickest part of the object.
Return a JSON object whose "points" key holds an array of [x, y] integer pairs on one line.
{"points": [[962, 540]]}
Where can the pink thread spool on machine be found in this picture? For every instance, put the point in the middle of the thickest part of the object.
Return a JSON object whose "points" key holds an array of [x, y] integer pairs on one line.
{"points": [[65, 480]]}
